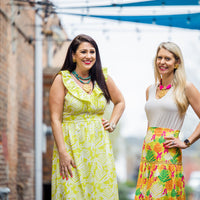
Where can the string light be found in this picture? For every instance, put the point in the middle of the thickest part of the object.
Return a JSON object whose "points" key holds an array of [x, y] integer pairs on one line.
{"points": [[188, 20]]}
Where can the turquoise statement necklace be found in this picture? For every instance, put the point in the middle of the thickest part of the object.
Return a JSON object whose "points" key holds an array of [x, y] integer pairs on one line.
{"points": [[81, 79], [86, 87]]}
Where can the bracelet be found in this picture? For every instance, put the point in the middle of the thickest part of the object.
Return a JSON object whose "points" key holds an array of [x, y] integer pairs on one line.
{"points": [[113, 126]]}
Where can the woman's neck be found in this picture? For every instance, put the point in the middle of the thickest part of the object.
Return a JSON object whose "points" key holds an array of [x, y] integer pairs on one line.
{"points": [[167, 80], [82, 73]]}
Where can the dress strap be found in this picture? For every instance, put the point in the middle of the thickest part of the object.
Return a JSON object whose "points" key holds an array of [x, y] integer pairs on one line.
{"points": [[105, 73]]}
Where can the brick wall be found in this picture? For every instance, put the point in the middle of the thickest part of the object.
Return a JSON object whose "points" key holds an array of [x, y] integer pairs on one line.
{"points": [[4, 48], [16, 102], [47, 156], [48, 75]]}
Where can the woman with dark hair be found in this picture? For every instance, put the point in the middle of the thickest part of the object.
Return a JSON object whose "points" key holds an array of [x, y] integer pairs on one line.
{"points": [[83, 164]]}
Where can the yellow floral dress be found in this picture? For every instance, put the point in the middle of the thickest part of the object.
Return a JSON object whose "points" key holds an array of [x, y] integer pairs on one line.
{"points": [[94, 177]]}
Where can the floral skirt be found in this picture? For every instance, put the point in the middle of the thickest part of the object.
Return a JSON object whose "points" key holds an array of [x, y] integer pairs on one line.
{"points": [[161, 171]]}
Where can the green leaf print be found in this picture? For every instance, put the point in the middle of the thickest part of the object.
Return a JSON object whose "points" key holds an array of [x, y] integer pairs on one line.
{"points": [[174, 159], [149, 172], [148, 193], [150, 156], [180, 175], [137, 192], [164, 176], [161, 140], [173, 193]]}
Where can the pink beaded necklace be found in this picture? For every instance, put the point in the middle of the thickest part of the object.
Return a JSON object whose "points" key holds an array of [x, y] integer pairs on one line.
{"points": [[163, 91]]}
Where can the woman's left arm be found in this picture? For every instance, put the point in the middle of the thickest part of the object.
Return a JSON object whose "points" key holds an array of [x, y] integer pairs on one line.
{"points": [[119, 105], [193, 96]]}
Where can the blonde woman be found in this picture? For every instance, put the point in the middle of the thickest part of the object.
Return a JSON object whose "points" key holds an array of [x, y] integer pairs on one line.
{"points": [[161, 172]]}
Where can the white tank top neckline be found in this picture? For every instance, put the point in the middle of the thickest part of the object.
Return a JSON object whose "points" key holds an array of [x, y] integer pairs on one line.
{"points": [[163, 112]]}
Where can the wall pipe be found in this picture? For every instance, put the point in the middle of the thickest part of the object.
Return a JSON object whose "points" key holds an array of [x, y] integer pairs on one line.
{"points": [[38, 105]]}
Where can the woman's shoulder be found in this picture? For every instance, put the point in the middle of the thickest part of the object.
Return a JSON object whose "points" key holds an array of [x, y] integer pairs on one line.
{"points": [[188, 85], [66, 78], [152, 86], [193, 95], [58, 82], [58, 78], [148, 87], [189, 88], [148, 90]]}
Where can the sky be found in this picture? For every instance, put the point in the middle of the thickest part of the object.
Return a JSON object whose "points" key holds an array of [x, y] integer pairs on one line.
{"points": [[128, 49]]}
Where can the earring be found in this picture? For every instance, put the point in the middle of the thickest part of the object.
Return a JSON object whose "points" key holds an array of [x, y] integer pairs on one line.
{"points": [[176, 66], [74, 60]]}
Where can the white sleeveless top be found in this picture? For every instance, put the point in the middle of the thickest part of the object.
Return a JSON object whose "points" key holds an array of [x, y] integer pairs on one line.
{"points": [[163, 112]]}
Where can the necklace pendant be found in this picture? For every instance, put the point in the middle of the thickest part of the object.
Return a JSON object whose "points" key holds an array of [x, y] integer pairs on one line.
{"points": [[87, 87], [162, 93]]}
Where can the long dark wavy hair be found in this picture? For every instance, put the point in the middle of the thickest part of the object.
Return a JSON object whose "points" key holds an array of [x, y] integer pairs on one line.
{"points": [[95, 72]]}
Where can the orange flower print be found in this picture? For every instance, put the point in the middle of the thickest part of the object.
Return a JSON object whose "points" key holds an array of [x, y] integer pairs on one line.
{"points": [[169, 185], [139, 181], [179, 183], [158, 131], [172, 168], [158, 147]]}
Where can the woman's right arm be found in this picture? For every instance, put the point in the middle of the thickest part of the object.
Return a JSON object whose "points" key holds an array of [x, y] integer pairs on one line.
{"points": [[56, 102]]}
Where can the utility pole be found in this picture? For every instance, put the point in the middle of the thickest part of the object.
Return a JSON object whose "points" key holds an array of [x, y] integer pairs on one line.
{"points": [[38, 105]]}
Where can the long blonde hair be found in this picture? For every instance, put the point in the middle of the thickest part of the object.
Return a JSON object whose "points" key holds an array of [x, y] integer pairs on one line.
{"points": [[179, 81]]}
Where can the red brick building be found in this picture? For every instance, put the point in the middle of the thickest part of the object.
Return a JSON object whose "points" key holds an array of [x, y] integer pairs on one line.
{"points": [[48, 75], [17, 146], [16, 101]]}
